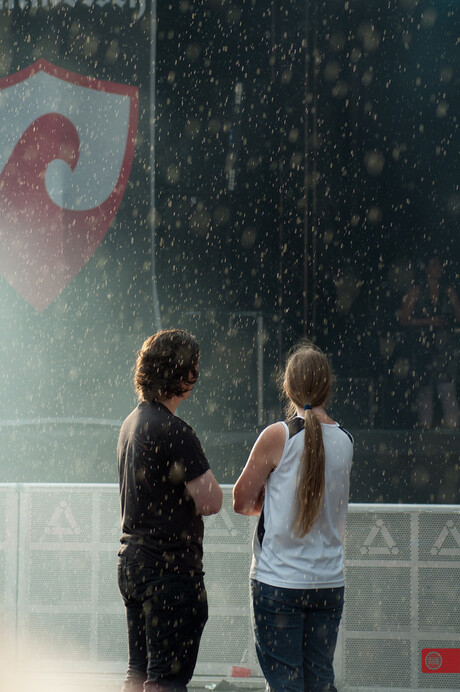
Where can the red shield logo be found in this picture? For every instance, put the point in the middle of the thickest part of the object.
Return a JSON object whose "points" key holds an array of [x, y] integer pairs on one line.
{"points": [[66, 149]]}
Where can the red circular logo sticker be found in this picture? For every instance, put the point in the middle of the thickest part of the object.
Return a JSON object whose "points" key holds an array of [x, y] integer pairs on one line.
{"points": [[433, 660]]}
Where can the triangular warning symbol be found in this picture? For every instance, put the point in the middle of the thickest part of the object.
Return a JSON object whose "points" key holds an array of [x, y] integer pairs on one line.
{"points": [[448, 533], [62, 522], [220, 525], [379, 541]]}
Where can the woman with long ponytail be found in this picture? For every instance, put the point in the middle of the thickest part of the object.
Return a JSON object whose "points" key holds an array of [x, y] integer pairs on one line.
{"points": [[297, 481]]}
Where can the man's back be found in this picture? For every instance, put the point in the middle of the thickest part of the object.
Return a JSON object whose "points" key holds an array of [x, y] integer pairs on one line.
{"points": [[157, 454]]}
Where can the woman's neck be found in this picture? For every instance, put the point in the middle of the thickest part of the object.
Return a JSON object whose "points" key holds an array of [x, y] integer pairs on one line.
{"points": [[319, 412]]}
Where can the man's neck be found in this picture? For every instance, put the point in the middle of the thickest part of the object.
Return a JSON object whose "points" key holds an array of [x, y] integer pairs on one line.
{"points": [[171, 404]]}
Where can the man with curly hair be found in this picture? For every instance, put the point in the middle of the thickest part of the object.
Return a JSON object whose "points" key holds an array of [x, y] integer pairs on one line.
{"points": [[166, 485]]}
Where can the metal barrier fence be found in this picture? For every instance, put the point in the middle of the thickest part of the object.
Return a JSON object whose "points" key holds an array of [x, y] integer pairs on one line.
{"points": [[60, 610]]}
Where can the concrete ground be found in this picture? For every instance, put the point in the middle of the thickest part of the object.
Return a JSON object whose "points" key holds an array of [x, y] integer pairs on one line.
{"points": [[17, 682]]}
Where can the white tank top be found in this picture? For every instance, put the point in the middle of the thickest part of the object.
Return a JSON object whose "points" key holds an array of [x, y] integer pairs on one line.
{"points": [[280, 557]]}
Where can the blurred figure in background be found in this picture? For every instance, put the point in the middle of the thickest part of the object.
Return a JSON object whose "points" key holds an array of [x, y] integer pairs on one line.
{"points": [[430, 309], [297, 480], [166, 486]]}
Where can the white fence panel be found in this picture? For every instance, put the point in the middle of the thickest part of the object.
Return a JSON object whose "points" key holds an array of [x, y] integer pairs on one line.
{"points": [[402, 595], [61, 612], [9, 504], [70, 615]]}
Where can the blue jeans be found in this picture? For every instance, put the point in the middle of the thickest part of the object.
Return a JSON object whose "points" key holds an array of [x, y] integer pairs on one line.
{"points": [[166, 615], [295, 632]]}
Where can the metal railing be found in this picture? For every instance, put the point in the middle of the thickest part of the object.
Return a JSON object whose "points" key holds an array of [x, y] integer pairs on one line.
{"points": [[60, 610]]}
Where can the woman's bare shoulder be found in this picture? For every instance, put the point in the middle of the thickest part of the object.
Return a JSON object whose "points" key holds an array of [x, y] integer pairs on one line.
{"points": [[276, 432]]}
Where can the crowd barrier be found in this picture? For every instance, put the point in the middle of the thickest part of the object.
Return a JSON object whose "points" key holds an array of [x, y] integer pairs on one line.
{"points": [[61, 612]]}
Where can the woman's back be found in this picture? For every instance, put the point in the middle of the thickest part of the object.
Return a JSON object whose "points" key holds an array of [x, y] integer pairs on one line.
{"points": [[280, 556]]}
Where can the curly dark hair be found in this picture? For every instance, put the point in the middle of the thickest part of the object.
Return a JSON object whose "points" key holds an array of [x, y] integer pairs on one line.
{"points": [[167, 361]]}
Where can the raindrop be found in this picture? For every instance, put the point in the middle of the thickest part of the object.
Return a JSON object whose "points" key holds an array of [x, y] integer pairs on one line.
{"points": [[374, 162], [248, 237], [429, 18], [173, 174], [446, 74], [286, 77], [441, 109], [332, 71], [370, 36], [374, 214]]}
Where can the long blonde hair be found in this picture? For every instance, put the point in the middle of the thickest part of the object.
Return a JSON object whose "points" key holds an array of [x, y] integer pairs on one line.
{"points": [[308, 380]]}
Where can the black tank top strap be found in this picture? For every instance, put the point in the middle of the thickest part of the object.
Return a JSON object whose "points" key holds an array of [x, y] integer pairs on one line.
{"points": [[295, 425]]}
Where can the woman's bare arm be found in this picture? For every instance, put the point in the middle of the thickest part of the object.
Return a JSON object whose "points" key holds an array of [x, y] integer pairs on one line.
{"points": [[248, 492]]}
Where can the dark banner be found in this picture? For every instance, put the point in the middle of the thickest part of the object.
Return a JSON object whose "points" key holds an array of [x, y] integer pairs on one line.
{"points": [[76, 255]]}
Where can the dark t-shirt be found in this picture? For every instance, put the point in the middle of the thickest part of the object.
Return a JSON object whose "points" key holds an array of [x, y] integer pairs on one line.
{"points": [[157, 454]]}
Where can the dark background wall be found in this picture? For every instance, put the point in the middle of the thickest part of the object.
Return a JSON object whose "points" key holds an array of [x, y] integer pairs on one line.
{"points": [[344, 164]]}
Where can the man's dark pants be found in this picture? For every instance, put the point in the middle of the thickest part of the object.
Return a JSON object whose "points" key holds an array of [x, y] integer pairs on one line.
{"points": [[166, 615]]}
